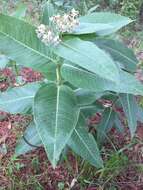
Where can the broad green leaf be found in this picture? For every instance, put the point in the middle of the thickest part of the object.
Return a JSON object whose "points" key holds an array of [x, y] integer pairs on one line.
{"points": [[106, 124], [83, 79], [29, 141], [114, 21], [119, 52], [84, 144], [88, 28], [90, 110], [118, 124], [128, 103], [56, 116], [88, 56], [86, 97], [20, 11], [47, 13], [139, 112], [18, 40], [3, 61], [81, 142], [48, 71], [18, 99]]}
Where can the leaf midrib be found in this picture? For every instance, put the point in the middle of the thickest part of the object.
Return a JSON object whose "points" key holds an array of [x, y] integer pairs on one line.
{"points": [[84, 71], [86, 146], [106, 123], [28, 47], [84, 54], [17, 99], [56, 123]]}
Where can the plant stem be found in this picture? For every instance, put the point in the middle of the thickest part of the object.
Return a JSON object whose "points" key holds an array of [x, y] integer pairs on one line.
{"points": [[58, 74], [15, 68]]}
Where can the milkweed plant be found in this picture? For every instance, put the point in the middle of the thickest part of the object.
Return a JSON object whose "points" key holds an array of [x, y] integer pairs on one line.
{"points": [[85, 72]]}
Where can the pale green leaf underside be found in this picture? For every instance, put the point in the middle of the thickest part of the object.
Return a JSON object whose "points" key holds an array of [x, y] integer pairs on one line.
{"points": [[31, 137], [84, 79], [88, 56], [3, 61], [88, 28], [18, 99], [112, 20], [56, 116]]}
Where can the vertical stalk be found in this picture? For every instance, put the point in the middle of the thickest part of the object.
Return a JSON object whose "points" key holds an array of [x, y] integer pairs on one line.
{"points": [[58, 74], [16, 69], [14, 65]]}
